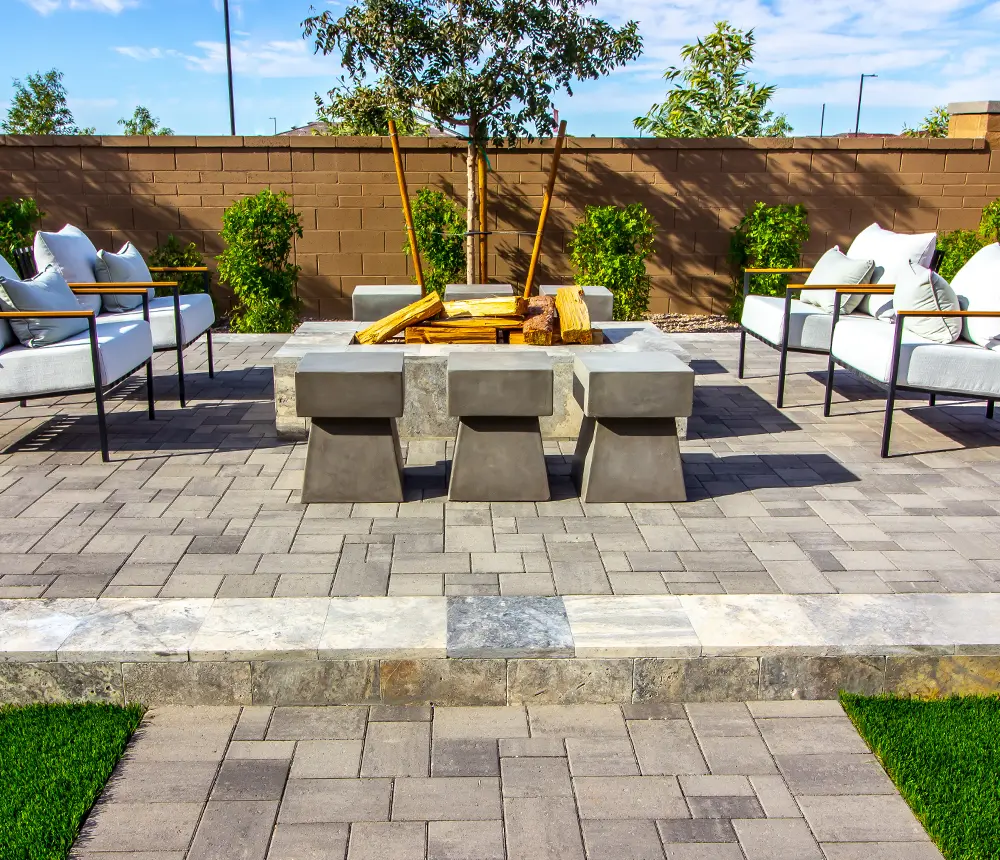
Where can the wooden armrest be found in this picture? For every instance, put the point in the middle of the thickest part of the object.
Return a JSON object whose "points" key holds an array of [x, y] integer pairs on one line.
{"points": [[843, 288], [888, 290], [947, 313], [103, 291], [775, 271], [178, 269], [149, 285], [20, 315]]}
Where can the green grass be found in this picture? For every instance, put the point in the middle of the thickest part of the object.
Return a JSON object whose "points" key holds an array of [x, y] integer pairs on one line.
{"points": [[944, 756], [54, 761]]}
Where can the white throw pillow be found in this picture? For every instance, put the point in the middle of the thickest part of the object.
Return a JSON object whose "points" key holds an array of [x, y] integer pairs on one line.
{"points": [[127, 266], [44, 292], [835, 267], [978, 284], [7, 336], [74, 255], [892, 253], [920, 289]]}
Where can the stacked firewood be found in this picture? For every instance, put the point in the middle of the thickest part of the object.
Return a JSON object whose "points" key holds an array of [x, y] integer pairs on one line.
{"points": [[538, 321]]}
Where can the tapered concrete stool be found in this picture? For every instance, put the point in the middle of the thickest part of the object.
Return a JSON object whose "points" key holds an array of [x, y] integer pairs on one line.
{"points": [[353, 399], [628, 449], [498, 398]]}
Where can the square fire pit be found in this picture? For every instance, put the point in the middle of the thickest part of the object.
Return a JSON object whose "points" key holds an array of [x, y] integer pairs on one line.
{"points": [[425, 375]]}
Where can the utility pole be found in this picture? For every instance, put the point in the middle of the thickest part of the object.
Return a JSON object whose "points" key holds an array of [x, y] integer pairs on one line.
{"points": [[822, 119], [229, 69], [861, 89]]}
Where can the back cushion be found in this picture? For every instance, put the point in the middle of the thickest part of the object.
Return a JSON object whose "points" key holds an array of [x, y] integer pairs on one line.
{"points": [[978, 286], [920, 289], [835, 267], [45, 292], [7, 337], [74, 255], [127, 266], [893, 253]]}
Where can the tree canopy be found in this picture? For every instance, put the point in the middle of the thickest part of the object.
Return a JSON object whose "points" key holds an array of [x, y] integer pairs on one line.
{"points": [[366, 110], [39, 107], [712, 95], [143, 122], [935, 124]]}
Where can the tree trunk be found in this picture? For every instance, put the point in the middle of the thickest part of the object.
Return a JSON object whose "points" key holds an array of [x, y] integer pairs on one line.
{"points": [[470, 212]]}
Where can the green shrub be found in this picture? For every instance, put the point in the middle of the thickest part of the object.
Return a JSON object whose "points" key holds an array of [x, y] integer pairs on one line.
{"points": [[173, 253], [957, 247], [440, 227], [18, 219], [258, 232], [989, 224], [767, 237], [609, 248]]}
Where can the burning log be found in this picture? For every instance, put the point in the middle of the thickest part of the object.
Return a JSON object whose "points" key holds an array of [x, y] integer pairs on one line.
{"points": [[380, 331], [540, 321]]}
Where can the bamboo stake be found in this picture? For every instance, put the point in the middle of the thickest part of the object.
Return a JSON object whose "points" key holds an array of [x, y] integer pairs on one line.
{"points": [[407, 214], [536, 250], [483, 267]]}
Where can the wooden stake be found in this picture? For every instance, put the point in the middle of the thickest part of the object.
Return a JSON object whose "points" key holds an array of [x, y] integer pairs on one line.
{"points": [[407, 214], [483, 267], [536, 251]]}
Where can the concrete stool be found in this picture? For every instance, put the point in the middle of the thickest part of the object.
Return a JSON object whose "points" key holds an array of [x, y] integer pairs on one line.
{"points": [[464, 292], [372, 302], [600, 301], [497, 398], [354, 399], [628, 449]]}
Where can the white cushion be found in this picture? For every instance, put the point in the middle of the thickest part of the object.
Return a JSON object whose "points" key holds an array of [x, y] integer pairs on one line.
{"points": [[977, 285], [920, 289], [890, 251], [808, 326], [74, 255], [7, 336], [961, 367], [47, 291], [66, 366], [197, 316], [835, 267], [127, 266]]}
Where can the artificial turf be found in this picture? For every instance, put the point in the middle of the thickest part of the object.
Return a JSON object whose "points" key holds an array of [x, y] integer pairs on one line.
{"points": [[54, 761], [944, 756]]}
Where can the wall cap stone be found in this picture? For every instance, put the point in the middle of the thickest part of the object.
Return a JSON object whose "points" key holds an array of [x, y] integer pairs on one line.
{"points": [[962, 108]]}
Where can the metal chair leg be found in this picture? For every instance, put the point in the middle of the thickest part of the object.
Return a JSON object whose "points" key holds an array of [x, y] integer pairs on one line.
{"points": [[782, 366], [932, 400], [179, 335], [989, 408], [150, 397], [890, 402], [211, 356], [24, 404], [95, 362], [828, 396], [743, 349]]}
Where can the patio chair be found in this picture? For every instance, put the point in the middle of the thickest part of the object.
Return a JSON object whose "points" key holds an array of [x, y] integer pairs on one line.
{"points": [[790, 324], [95, 355], [899, 357], [176, 321]]}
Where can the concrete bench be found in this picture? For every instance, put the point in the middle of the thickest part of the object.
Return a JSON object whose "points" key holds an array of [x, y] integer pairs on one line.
{"points": [[498, 399], [353, 399], [628, 449], [600, 301], [371, 302], [464, 292]]}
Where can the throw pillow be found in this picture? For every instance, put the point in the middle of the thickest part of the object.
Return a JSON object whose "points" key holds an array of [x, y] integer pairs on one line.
{"points": [[892, 253], [920, 289], [127, 266], [835, 267], [7, 336], [978, 283], [74, 255], [44, 292]]}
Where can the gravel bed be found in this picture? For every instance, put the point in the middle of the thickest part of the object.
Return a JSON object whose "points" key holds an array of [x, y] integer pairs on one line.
{"points": [[692, 323]]}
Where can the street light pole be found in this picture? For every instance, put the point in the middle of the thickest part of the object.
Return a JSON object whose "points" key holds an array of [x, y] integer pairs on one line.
{"points": [[274, 119], [229, 69], [861, 89]]}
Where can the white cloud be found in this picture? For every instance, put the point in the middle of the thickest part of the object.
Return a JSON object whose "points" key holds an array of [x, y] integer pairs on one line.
{"points": [[143, 54], [47, 7]]}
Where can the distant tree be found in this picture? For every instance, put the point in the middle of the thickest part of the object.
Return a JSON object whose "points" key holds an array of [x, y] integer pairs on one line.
{"points": [[712, 96], [39, 107], [490, 66], [935, 124], [143, 122], [366, 110]]}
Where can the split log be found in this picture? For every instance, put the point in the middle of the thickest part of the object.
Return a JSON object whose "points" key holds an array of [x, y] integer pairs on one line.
{"points": [[501, 306], [574, 318], [380, 331], [450, 334], [516, 338], [480, 322], [540, 321]]}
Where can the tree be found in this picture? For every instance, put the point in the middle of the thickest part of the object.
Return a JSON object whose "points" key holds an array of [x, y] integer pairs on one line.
{"points": [[39, 107], [143, 122], [935, 124], [712, 96], [365, 110], [490, 66]]}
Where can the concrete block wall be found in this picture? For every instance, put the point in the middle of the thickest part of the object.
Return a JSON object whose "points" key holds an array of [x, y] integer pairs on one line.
{"points": [[142, 189]]}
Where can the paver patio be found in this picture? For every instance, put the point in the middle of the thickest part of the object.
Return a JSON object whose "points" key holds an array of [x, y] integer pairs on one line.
{"points": [[204, 501], [764, 781]]}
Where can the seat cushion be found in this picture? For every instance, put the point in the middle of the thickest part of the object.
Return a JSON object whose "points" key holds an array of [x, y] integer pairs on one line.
{"points": [[808, 326], [977, 284], [127, 266], [890, 251], [865, 344], [74, 255], [46, 292], [835, 267], [197, 316], [66, 366]]}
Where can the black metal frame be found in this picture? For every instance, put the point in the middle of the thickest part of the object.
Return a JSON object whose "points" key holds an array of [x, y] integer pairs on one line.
{"points": [[892, 386], [98, 389]]}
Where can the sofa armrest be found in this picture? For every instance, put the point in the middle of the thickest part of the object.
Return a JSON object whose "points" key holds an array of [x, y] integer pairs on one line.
{"points": [[106, 286], [947, 313], [21, 315], [845, 288], [162, 269], [106, 290], [794, 271]]}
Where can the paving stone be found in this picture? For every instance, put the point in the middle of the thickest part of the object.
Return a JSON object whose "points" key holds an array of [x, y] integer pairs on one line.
{"points": [[654, 711], [871, 818], [317, 723], [611, 756], [578, 721], [249, 779], [326, 759], [882, 850], [160, 781], [774, 797], [480, 723], [725, 807], [834, 773], [816, 736], [528, 747], [460, 757], [621, 840], [261, 749], [399, 713], [465, 840], [388, 841], [781, 839], [397, 749], [542, 828], [308, 842], [716, 786], [715, 830], [446, 799], [236, 829], [739, 755], [666, 747], [626, 797], [335, 800], [535, 777], [123, 826]]}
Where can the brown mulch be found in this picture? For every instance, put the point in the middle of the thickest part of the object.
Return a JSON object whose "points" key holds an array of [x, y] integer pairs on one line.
{"points": [[692, 323]]}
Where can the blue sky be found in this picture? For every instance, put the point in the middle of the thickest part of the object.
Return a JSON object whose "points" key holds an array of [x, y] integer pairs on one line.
{"points": [[169, 56]]}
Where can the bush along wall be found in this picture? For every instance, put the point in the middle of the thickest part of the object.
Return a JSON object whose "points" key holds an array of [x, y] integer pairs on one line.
{"points": [[440, 227], [609, 248], [18, 221], [958, 246], [174, 253], [767, 237]]}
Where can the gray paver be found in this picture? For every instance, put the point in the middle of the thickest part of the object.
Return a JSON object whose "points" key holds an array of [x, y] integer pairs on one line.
{"points": [[335, 800], [622, 840], [542, 829], [866, 818], [389, 841], [465, 840], [234, 831], [781, 839], [397, 749], [446, 799], [308, 842]]}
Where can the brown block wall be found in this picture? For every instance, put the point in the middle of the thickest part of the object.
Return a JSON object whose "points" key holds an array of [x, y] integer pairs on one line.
{"points": [[142, 189]]}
